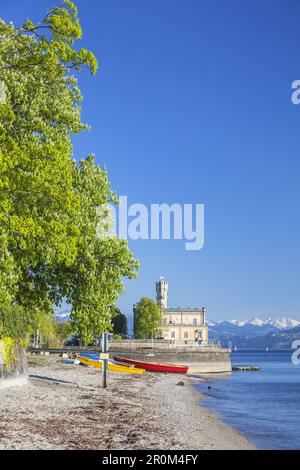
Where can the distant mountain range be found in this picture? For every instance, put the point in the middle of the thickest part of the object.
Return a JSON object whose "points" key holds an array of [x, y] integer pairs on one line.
{"points": [[256, 333], [279, 323]]}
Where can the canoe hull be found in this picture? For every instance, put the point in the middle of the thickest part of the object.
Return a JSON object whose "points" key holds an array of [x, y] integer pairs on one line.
{"points": [[111, 367], [153, 366]]}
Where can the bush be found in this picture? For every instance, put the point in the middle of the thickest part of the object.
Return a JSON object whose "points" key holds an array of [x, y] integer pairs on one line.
{"points": [[15, 322]]}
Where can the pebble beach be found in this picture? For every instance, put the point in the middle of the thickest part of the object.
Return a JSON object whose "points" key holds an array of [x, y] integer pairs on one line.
{"points": [[63, 406]]}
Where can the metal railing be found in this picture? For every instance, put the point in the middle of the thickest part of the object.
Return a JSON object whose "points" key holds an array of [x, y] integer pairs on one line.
{"points": [[182, 342]]}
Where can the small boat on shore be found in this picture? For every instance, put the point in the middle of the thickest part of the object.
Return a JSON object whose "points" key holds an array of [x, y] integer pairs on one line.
{"points": [[111, 366], [153, 366]]}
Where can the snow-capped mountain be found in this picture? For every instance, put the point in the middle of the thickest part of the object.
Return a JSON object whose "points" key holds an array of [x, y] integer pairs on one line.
{"points": [[249, 328], [284, 322], [238, 322], [258, 322], [211, 323], [281, 323]]}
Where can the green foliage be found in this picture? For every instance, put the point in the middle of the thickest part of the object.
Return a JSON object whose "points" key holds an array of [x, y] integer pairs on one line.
{"points": [[9, 272], [15, 322], [7, 351], [47, 326], [49, 205], [146, 318], [52, 334], [119, 322], [94, 281], [64, 330], [19, 323]]}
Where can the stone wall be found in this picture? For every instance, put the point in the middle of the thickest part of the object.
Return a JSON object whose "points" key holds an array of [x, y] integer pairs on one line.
{"points": [[159, 345], [15, 373], [203, 360]]}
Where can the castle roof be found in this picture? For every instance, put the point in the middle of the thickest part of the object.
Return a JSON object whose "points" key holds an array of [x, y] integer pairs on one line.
{"points": [[180, 309]]}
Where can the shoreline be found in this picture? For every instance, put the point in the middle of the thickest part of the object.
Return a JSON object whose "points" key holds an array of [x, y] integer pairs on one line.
{"points": [[65, 407], [201, 428]]}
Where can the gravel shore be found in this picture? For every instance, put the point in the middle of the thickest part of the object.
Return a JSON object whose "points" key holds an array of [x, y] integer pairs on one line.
{"points": [[65, 407]]}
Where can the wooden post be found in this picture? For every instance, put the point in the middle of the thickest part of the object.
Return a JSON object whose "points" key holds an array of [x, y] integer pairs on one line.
{"points": [[105, 358]]}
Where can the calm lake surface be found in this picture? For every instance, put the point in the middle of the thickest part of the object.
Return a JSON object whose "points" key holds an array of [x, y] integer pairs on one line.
{"points": [[265, 405]]}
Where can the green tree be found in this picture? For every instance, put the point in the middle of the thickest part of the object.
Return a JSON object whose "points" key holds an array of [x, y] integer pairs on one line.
{"points": [[119, 322], [146, 318], [64, 330], [50, 220], [15, 322]]}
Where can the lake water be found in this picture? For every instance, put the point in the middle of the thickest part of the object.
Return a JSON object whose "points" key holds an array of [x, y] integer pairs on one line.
{"points": [[265, 405]]}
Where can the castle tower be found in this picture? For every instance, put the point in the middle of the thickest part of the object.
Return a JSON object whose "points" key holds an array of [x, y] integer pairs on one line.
{"points": [[162, 293]]}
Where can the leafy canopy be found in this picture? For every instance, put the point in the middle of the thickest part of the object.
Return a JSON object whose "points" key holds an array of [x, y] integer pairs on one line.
{"points": [[146, 318], [119, 322], [49, 205]]}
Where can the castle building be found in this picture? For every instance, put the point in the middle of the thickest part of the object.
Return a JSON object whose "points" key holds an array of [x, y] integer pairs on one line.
{"points": [[183, 324], [162, 293]]}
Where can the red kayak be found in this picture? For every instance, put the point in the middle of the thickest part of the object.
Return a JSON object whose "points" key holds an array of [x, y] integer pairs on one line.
{"points": [[153, 366]]}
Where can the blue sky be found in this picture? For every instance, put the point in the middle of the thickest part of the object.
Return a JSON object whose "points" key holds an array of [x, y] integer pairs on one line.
{"points": [[192, 104]]}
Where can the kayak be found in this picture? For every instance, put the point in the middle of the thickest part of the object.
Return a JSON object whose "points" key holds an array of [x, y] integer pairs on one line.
{"points": [[111, 366], [153, 366], [94, 357]]}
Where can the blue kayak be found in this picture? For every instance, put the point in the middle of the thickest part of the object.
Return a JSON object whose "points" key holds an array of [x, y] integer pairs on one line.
{"points": [[94, 357]]}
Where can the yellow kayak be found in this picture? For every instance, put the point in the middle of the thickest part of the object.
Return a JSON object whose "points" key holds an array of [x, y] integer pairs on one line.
{"points": [[111, 366]]}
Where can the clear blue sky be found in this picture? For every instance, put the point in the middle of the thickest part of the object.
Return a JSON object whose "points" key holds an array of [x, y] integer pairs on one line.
{"points": [[192, 105]]}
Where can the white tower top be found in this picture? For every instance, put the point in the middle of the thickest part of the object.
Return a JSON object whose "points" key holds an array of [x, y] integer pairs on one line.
{"points": [[162, 293]]}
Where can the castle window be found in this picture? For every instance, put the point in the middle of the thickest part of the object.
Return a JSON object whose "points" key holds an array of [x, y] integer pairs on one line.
{"points": [[172, 334], [194, 321], [186, 334]]}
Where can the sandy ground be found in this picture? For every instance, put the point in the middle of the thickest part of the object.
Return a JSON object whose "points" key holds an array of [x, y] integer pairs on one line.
{"points": [[135, 412]]}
